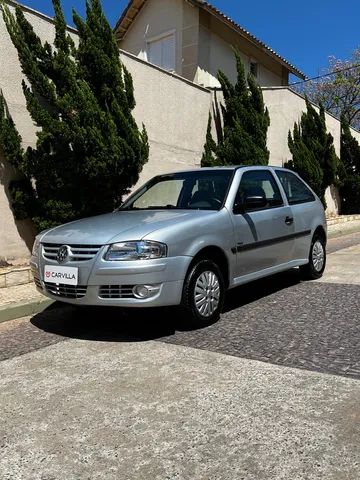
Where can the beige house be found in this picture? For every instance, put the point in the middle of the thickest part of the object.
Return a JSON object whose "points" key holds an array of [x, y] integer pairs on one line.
{"points": [[194, 39]]}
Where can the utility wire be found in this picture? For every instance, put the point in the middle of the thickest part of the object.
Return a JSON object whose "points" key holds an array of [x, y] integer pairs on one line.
{"points": [[325, 75]]}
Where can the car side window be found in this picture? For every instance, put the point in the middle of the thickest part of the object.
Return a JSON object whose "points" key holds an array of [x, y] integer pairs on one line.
{"points": [[259, 183], [295, 189]]}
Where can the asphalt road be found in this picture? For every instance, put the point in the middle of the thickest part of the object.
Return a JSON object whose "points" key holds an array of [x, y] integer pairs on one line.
{"points": [[269, 392]]}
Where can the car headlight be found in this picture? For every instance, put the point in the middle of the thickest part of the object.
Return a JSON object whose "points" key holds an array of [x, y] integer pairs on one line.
{"points": [[136, 250], [35, 249]]}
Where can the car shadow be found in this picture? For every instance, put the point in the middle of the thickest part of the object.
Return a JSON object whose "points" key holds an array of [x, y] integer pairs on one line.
{"points": [[127, 325]]}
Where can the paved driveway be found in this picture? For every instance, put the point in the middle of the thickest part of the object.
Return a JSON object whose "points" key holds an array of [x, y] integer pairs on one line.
{"points": [[270, 392]]}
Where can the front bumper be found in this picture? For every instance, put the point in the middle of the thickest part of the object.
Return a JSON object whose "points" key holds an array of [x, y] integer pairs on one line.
{"points": [[97, 276]]}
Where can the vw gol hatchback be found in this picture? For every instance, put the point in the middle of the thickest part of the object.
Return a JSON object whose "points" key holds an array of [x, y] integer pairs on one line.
{"points": [[184, 239]]}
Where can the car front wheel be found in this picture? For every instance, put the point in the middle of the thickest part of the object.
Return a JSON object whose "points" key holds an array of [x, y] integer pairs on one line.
{"points": [[317, 259], [203, 294]]}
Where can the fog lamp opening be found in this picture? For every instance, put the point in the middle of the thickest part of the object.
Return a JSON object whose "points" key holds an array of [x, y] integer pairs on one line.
{"points": [[145, 291]]}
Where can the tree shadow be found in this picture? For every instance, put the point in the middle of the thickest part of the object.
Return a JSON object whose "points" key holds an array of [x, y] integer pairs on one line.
{"points": [[114, 324], [25, 228]]}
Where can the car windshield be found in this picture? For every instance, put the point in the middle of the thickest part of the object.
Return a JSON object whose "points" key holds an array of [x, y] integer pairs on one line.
{"points": [[196, 190]]}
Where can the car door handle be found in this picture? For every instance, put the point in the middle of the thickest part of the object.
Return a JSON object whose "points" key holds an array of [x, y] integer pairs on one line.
{"points": [[289, 220]]}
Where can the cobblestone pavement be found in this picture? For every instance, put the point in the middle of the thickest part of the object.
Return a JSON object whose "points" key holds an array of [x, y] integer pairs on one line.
{"points": [[283, 321]]}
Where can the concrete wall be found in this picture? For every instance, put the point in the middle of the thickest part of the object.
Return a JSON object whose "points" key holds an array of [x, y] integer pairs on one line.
{"points": [[174, 111], [355, 134], [285, 108]]}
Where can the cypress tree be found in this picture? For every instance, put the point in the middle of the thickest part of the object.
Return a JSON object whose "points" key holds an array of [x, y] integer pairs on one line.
{"points": [[208, 158], [89, 150], [313, 152], [349, 150], [10, 142], [304, 161], [350, 170], [245, 121]]}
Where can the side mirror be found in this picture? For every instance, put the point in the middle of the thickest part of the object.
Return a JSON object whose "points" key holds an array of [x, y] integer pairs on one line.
{"points": [[238, 208], [255, 202]]}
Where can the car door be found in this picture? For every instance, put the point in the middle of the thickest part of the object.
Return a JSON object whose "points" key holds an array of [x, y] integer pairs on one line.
{"points": [[264, 236], [301, 201]]}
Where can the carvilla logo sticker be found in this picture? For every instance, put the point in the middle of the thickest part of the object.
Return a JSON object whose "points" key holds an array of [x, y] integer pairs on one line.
{"points": [[61, 275]]}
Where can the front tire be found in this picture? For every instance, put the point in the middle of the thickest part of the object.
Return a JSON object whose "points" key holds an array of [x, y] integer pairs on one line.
{"points": [[203, 294], [317, 259]]}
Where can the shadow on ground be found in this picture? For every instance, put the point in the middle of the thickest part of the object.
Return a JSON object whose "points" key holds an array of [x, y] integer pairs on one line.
{"points": [[117, 324]]}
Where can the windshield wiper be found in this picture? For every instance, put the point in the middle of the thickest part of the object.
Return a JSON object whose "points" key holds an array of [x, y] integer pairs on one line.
{"points": [[150, 207], [161, 207]]}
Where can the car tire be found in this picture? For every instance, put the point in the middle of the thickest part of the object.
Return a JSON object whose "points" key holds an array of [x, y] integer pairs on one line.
{"points": [[203, 295], [317, 259]]}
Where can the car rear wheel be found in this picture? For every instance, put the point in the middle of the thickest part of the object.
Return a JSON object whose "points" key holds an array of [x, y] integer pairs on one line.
{"points": [[203, 294], [317, 259]]}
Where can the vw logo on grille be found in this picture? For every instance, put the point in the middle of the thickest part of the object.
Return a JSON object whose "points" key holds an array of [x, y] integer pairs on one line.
{"points": [[62, 254]]}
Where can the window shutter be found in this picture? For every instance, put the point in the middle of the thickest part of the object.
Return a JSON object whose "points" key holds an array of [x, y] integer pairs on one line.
{"points": [[161, 52], [155, 52], [168, 53]]}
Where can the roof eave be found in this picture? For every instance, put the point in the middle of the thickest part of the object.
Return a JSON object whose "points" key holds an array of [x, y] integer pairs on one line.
{"points": [[133, 7]]}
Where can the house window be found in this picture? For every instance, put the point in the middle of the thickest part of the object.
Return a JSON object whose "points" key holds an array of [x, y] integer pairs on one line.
{"points": [[161, 51], [254, 68]]}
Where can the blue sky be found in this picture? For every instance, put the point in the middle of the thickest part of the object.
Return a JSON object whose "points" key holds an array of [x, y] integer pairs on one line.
{"points": [[306, 33]]}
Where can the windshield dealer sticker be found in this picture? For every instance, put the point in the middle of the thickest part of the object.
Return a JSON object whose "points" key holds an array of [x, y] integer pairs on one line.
{"points": [[64, 275]]}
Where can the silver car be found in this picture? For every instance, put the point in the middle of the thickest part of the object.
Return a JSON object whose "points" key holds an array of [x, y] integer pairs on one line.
{"points": [[184, 239]]}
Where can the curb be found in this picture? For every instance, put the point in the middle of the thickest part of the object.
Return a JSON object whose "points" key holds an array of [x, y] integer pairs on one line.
{"points": [[341, 229], [15, 276], [342, 219], [23, 309]]}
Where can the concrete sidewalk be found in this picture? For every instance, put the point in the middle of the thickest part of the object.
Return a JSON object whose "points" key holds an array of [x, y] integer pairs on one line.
{"points": [[147, 410], [343, 267]]}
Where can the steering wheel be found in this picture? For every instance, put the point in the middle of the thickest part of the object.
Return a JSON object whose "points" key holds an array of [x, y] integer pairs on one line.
{"points": [[215, 202]]}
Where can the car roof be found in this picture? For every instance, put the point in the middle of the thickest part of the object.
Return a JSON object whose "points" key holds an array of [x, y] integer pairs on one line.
{"points": [[230, 167]]}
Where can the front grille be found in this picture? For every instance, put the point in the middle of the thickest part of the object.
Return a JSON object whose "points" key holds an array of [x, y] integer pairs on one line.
{"points": [[66, 291], [116, 291], [77, 253]]}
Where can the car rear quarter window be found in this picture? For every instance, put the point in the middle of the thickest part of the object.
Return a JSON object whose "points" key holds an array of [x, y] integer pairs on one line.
{"points": [[295, 189]]}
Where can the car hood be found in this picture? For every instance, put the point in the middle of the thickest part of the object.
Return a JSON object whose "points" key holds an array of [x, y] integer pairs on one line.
{"points": [[118, 226]]}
